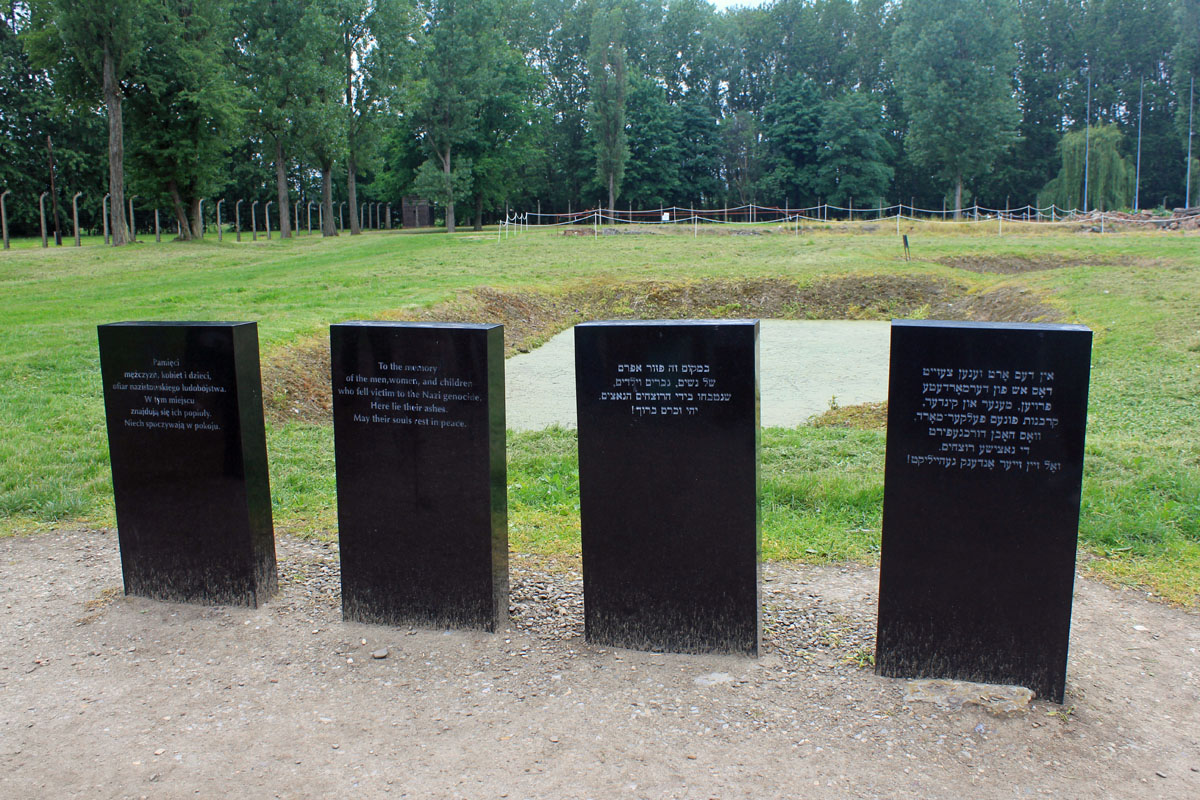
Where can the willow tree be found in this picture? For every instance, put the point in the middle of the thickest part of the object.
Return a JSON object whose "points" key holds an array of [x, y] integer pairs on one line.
{"points": [[1110, 175]]}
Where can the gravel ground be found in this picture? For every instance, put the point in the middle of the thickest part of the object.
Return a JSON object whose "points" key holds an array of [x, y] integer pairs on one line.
{"points": [[803, 365], [107, 696]]}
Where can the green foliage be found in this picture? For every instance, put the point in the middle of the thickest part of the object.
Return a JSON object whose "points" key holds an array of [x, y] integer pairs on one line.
{"points": [[607, 87], [854, 159], [1110, 175], [955, 64], [792, 126]]}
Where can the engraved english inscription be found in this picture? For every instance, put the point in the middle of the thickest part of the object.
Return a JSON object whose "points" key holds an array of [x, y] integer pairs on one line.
{"points": [[409, 394]]}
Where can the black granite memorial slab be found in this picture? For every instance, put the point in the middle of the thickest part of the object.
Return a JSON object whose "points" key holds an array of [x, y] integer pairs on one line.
{"points": [[668, 479], [183, 404], [981, 501], [418, 418]]}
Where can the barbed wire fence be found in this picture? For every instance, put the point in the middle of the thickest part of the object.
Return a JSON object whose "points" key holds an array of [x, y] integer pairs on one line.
{"points": [[752, 214]]}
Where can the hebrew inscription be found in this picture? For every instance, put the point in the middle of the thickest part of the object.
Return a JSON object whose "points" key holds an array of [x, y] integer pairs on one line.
{"points": [[985, 419], [665, 390]]}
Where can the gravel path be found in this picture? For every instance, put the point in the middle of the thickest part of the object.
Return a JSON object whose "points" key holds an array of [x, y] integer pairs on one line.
{"points": [[802, 366], [106, 696]]}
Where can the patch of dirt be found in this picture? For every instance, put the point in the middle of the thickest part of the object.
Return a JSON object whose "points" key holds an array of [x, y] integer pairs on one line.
{"points": [[296, 378], [1015, 265], [155, 699], [865, 416]]}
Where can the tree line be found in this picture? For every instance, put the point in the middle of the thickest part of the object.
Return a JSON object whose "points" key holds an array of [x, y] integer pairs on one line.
{"points": [[483, 105]]}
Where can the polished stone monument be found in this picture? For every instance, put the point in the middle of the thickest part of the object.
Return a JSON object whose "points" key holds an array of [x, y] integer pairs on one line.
{"points": [[183, 403], [668, 482], [418, 420], [981, 501]]}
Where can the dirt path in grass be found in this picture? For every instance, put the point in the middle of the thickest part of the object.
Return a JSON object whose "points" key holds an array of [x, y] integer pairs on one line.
{"points": [[106, 696]]}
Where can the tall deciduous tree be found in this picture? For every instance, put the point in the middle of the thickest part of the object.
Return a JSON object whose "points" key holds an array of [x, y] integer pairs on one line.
{"points": [[854, 159], [955, 61], [92, 47], [459, 48], [608, 86], [277, 58], [186, 107]]}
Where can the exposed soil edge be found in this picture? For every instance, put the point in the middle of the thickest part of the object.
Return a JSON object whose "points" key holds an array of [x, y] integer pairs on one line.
{"points": [[296, 377]]}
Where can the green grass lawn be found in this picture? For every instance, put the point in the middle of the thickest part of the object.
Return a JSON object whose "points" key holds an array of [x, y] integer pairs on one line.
{"points": [[822, 488]]}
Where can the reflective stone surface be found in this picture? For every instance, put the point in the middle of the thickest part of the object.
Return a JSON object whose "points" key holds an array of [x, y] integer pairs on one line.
{"points": [[418, 412], [183, 405], [668, 473], [984, 465]]}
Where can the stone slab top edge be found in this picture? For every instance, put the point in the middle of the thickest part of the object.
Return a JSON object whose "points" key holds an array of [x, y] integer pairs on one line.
{"points": [[173, 324], [1004, 326], [633, 323], [383, 323]]}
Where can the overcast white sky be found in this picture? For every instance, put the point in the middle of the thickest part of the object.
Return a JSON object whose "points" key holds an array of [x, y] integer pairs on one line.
{"points": [[720, 4]]}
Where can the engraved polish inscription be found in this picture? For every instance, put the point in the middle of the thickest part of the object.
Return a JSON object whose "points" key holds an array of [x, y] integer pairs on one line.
{"points": [[168, 394]]}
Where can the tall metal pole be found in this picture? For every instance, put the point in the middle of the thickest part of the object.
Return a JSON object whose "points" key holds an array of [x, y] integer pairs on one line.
{"points": [[201, 217], [1087, 144], [157, 230], [42, 213], [253, 222], [237, 219], [267, 214], [308, 208], [389, 216], [75, 216], [104, 209], [220, 233], [341, 224], [132, 225], [1137, 180], [4, 216], [1187, 197]]}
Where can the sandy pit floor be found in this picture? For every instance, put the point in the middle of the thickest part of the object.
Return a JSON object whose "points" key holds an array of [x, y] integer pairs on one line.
{"points": [[802, 365], [103, 696]]}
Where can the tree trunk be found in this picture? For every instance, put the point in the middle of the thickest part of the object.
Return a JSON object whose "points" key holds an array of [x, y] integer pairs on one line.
{"points": [[181, 220], [281, 190], [328, 226], [958, 197], [449, 192], [197, 222], [116, 153], [612, 196], [352, 193], [479, 211]]}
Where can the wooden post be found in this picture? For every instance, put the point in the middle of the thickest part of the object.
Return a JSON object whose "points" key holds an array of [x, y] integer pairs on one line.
{"points": [[341, 223], [267, 217], [104, 209], [4, 216], [42, 213], [308, 208], [237, 219], [132, 225], [157, 232], [253, 222], [201, 217], [220, 233], [75, 217]]}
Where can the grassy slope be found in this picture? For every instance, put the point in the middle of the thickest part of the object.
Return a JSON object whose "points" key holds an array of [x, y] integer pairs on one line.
{"points": [[821, 488]]}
